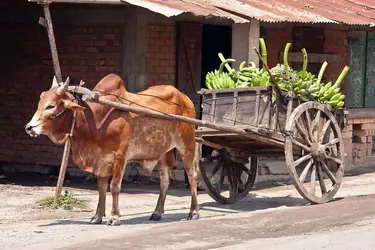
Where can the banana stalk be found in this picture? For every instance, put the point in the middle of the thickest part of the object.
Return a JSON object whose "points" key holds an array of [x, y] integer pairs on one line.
{"points": [[321, 72], [222, 58], [304, 67], [286, 50], [263, 50], [341, 77]]}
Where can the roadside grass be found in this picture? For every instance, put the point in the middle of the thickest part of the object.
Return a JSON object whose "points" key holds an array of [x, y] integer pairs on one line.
{"points": [[66, 201]]}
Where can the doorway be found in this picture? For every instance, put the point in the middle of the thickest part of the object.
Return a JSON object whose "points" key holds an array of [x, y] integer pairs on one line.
{"points": [[215, 39], [197, 53], [198, 46]]}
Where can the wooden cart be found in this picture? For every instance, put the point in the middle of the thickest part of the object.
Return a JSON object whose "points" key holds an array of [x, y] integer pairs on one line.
{"points": [[246, 123], [307, 133]]}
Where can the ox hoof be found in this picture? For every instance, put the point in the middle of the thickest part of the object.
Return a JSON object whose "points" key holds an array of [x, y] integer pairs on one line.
{"points": [[96, 220], [155, 217], [113, 222], [193, 216]]}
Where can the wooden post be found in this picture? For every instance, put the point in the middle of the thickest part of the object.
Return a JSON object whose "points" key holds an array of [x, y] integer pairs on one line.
{"points": [[47, 23], [254, 36], [245, 36]]}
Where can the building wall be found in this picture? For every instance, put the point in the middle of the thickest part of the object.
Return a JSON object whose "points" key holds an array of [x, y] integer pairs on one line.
{"points": [[336, 42], [87, 52], [276, 39], [137, 44], [161, 54]]}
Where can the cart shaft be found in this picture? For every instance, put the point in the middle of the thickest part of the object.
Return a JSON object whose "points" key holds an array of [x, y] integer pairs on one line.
{"points": [[250, 132]]}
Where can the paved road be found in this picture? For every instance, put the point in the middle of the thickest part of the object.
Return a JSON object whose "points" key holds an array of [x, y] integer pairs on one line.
{"points": [[272, 218], [343, 224]]}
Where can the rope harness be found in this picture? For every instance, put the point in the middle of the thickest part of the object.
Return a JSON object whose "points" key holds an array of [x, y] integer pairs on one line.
{"points": [[53, 117]]}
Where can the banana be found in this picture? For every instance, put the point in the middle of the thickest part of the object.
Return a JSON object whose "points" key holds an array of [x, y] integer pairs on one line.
{"points": [[327, 86], [336, 97], [342, 97], [248, 69], [302, 85], [242, 65], [340, 104], [244, 78], [221, 67], [333, 103], [252, 64], [247, 74], [335, 91]]}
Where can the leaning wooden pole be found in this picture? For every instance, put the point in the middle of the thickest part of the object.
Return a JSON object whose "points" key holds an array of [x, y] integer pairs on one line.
{"points": [[47, 23]]}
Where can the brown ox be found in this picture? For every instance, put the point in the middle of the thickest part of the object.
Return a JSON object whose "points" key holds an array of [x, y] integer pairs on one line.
{"points": [[106, 139]]}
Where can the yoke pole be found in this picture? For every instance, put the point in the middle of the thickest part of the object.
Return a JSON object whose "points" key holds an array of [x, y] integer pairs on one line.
{"points": [[47, 23], [52, 41]]}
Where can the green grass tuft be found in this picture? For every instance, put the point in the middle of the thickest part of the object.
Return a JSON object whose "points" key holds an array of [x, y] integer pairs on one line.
{"points": [[66, 201]]}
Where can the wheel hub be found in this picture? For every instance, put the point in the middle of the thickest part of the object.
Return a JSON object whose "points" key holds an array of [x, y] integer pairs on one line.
{"points": [[320, 152]]}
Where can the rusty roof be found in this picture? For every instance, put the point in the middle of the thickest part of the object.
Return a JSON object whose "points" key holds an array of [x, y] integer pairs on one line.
{"points": [[351, 12]]}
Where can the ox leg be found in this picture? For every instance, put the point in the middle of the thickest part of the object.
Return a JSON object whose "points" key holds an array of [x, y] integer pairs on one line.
{"points": [[191, 169], [100, 210], [164, 184], [118, 173]]}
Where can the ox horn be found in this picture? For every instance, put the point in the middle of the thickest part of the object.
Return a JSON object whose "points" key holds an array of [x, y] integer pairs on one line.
{"points": [[54, 82], [64, 87]]}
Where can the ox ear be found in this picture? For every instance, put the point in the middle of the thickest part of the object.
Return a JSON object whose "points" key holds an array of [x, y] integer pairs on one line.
{"points": [[72, 105]]}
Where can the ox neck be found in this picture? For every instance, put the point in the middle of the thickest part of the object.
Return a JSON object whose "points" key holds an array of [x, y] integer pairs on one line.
{"points": [[62, 125]]}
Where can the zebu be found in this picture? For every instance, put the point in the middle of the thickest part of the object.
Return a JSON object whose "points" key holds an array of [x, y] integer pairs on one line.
{"points": [[106, 139]]}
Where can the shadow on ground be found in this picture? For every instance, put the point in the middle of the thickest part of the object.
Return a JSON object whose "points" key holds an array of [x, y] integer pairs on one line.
{"points": [[167, 218], [208, 210]]}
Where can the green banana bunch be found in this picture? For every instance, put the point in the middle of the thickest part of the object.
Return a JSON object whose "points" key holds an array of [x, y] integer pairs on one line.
{"points": [[219, 80], [303, 83]]}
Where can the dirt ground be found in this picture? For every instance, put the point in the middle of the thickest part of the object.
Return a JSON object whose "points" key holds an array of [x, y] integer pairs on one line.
{"points": [[40, 228]]}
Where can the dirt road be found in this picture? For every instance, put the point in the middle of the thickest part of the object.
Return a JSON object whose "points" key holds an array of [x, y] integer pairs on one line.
{"points": [[263, 214]]}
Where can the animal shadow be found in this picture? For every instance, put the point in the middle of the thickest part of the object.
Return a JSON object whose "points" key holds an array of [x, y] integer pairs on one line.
{"points": [[139, 220]]}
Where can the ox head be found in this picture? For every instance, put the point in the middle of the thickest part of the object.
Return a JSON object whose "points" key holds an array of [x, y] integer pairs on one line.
{"points": [[53, 116]]}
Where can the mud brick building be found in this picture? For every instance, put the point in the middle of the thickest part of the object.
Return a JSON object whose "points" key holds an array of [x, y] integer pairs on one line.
{"points": [[175, 42]]}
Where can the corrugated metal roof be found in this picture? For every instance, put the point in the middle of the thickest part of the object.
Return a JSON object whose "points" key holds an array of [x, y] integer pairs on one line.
{"points": [[352, 12]]}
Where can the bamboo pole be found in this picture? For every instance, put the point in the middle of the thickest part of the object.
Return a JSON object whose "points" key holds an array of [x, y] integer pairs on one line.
{"points": [[47, 23]]}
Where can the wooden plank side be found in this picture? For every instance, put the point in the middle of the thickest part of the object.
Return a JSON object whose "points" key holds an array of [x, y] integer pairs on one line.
{"points": [[356, 78]]}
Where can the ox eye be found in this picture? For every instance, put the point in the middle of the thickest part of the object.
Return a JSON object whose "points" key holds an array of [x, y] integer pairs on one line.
{"points": [[50, 107]]}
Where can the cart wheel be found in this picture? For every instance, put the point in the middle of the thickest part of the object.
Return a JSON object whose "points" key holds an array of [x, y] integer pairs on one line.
{"points": [[239, 178], [314, 152]]}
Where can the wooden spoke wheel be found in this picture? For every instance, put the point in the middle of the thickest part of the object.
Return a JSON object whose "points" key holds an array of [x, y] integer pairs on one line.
{"points": [[227, 181], [314, 152]]}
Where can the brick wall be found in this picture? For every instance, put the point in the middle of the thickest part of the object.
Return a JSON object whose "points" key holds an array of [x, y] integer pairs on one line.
{"points": [[276, 39], [161, 54], [336, 42], [87, 53], [362, 130]]}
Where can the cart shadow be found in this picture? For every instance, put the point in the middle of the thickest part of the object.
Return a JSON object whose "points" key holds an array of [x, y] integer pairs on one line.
{"points": [[254, 202]]}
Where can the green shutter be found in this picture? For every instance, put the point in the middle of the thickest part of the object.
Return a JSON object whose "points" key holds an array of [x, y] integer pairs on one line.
{"points": [[370, 71], [356, 75]]}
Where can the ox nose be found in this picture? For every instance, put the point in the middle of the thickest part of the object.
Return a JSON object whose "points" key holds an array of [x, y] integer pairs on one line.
{"points": [[28, 128]]}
